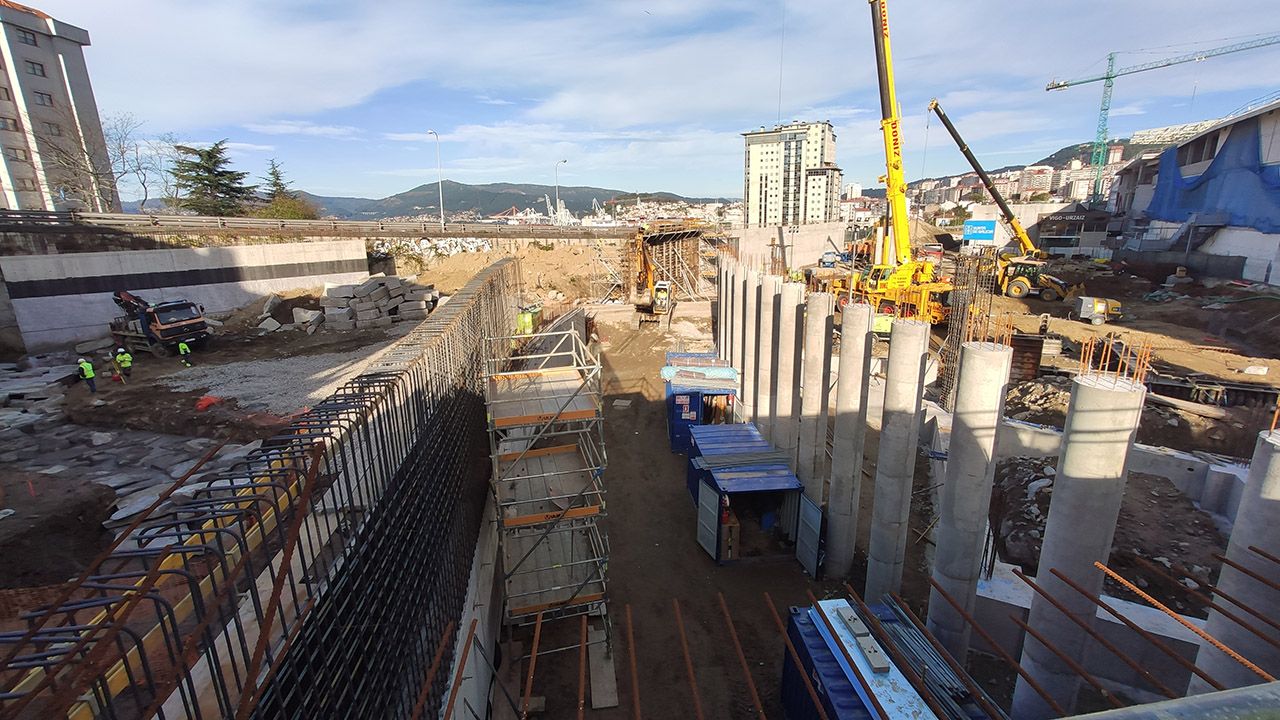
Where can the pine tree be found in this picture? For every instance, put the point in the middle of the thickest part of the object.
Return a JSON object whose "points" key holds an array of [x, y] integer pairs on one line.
{"points": [[205, 183], [277, 186]]}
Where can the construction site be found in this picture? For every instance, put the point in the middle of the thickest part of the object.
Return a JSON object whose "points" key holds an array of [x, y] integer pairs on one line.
{"points": [[666, 471]]}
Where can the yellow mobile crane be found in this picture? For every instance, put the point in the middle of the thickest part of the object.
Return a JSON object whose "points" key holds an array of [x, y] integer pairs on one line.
{"points": [[1016, 276], [897, 283]]}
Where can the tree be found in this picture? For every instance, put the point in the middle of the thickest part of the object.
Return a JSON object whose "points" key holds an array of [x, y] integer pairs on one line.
{"points": [[206, 185], [1041, 197], [78, 169], [277, 186], [288, 208]]}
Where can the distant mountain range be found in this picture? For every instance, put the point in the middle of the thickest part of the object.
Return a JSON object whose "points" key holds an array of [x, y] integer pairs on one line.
{"points": [[1061, 158], [486, 199]]}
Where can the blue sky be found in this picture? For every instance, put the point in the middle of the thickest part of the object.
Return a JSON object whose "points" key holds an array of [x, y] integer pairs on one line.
{"points": [[641, 94]]}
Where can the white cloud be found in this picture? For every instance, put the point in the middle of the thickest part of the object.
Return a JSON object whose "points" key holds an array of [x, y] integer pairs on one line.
{"points": [[301, 127]]}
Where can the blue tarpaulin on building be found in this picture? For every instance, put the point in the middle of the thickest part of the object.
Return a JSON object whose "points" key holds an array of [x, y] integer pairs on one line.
{"points": [[1236, 184]]}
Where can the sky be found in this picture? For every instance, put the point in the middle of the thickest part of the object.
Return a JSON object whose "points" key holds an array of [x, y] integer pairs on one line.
{"points": [[643, 95]]}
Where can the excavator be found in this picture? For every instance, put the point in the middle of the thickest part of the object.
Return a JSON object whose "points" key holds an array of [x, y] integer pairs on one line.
{"points": [[156, 327], [652, 298], [897, 283], [1017, 276]]}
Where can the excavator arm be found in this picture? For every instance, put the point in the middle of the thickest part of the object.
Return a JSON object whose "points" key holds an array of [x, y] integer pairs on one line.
{"points": [[1025, 245], [897, 246]]}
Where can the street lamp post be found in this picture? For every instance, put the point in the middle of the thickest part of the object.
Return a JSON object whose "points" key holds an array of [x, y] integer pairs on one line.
{"points": [[556, 220], [440, 175]]}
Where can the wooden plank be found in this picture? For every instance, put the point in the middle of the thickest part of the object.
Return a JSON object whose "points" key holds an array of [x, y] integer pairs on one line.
{"points": [[539, 452], [544, 418], [557, 604], [604, 678], [570, 514]]}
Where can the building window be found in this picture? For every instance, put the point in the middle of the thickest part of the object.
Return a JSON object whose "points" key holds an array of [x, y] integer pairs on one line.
{"points": [[52, 129], [4, 94], [28, 184], [44, 99], [35, 68], [19, 154], [8, 123], [26, 37]]}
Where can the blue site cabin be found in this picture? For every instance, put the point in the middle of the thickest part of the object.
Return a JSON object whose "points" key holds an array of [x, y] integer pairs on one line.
{"points": [[700, 389], [725, 460]]}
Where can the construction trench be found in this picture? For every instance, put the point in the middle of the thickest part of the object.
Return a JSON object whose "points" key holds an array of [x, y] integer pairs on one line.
{"points": [[489, 524]]}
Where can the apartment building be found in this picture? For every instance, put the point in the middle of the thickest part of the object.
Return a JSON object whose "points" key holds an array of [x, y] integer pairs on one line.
{"points": [[791, 177], [53, 155]]}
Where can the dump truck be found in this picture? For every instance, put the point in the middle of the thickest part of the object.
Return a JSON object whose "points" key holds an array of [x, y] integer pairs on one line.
{"points": [[157, 327]]}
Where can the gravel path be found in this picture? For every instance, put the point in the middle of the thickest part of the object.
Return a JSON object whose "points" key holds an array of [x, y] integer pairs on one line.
{"points": [[281, 386]]}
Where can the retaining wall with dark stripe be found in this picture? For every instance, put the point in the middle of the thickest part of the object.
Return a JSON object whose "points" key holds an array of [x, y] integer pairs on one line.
{"points": [[51, 300]]}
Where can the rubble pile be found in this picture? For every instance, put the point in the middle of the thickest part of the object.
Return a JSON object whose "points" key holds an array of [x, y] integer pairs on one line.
{"points": [[34, 394], [430, 247], [1019, 507], [1043, 400], [376, 302]]}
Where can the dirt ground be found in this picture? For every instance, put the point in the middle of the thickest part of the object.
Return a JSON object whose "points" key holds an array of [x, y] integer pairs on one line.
{"points": [[56, 529], [1157, 524], [562, 268], [655, 559]]}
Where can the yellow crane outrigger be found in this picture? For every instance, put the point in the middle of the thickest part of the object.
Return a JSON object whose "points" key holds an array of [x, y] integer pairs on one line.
{"points": [[897, 283], [1021, 275]]}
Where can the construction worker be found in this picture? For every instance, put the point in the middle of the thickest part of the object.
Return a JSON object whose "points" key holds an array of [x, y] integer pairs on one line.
{"points": [[124, 361], [87, 374], [184, 352]]}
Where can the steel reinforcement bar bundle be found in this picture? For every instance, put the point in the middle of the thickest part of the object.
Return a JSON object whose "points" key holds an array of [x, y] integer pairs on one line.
{"points": [[317, 578]]}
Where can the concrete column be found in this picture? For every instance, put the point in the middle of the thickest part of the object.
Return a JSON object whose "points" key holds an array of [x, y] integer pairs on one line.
{"points": [[813, 406], [751, 344], [981, 380], [722, 297], [786, 435], [896, 460], [1257, 523], [856, 342], [734, 318], [766, 388], [1102, 420]]}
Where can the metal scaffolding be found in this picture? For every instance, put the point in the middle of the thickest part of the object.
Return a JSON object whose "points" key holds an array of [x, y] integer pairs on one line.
{"points": [[546, 439]]}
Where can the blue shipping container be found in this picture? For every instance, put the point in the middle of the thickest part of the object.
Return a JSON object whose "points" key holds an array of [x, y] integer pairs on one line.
{"points": [[838, 697]]}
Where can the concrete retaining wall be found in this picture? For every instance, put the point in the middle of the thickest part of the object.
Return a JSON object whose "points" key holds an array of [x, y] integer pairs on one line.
{"points": [[58, 299], [1229, 267], [804, 243]]}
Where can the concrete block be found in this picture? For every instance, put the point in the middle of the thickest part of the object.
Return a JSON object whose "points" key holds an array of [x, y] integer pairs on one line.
{"points": [[413, 314], [367, 288], [396, 291], [269, 325], [391, 283], [366, 315], [365, 324], [304, 316], [270, 303], [91, 345], [383, 322], [341, 325], [337, 302], [413, 305], [340, 291], [343, 313], [364, 305], [391, 303], [379, 295]]}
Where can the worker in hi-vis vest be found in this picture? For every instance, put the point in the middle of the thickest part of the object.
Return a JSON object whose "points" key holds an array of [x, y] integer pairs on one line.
{"points": [[124, 361], [87, 374], [184, 352]]}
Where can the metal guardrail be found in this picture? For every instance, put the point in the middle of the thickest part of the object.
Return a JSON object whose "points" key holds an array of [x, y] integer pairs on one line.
{"points": [[152, 223]]}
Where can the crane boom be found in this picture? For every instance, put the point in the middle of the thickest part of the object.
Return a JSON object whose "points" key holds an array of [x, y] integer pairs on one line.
{"points": [[897, 249], [1025, 245], [1099, 155]]}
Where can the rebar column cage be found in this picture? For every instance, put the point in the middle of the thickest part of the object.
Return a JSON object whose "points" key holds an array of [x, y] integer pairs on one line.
{"points": [[970, 317], [546, 440], [340, 549]]}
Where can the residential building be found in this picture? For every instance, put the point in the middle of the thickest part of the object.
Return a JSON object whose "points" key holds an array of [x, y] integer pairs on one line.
{"points": [[852, 190], [791, 177], [1036, 179], [1209, 200], [54, 153]]}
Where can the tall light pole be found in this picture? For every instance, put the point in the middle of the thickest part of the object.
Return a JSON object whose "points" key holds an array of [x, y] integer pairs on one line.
{"points": [[556, 220], [440, 175]]}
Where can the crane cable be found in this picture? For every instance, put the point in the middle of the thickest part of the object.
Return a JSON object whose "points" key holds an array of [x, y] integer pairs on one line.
{"points": [[924, 156]]}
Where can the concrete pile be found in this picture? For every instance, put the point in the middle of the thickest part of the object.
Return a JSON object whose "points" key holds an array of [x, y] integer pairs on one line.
{"points": [[376, 302]]}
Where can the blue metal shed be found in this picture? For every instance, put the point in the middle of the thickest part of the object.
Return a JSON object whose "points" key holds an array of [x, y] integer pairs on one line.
{"points": [[687, 394]]}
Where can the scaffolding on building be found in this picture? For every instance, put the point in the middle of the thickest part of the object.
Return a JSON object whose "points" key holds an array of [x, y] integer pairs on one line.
{"points": [[970, 317], [546, 441]]}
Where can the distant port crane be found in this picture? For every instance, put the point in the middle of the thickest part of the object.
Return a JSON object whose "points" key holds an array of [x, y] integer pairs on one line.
{"points": [[1099, 156]]}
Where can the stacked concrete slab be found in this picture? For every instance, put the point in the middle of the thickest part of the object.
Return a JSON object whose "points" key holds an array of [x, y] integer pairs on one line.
{"points": [[377, 302]]}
